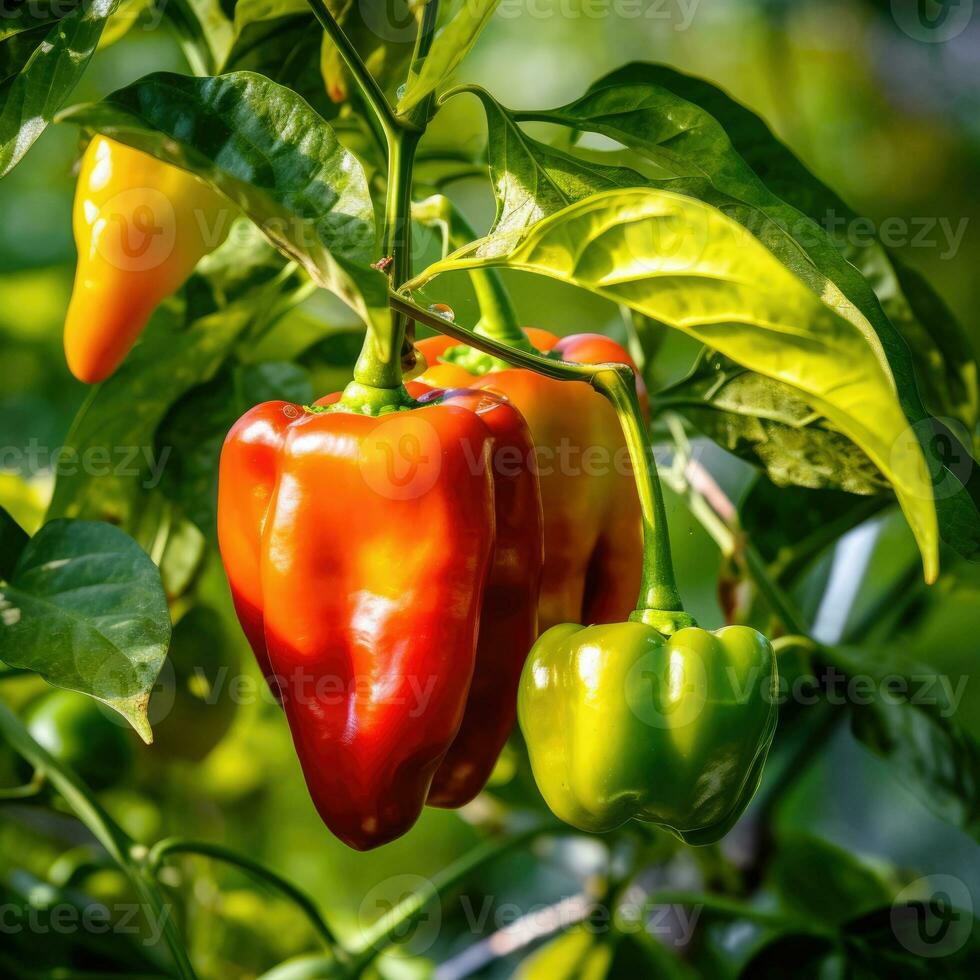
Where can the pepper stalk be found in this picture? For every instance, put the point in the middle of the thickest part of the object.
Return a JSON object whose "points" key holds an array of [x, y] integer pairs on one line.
{"points": [[659, 602]]}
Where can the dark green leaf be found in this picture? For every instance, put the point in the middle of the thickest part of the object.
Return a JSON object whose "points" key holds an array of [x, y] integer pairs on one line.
{"points": [[931, 937], [793, 956], [13, 540], [85, 608], [531, 180], [281, 40], [767, 423], [202, 26], [790, 526], [31, 98], [825, 883], [264, 148], [906, 714]]}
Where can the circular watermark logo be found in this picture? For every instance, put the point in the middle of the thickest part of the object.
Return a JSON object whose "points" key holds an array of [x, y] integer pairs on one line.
{"points": [[383, 900], [944, 442], [933, 916], [667, 686], [136, 229], [389, 20], [932, 21], [402, 456]]}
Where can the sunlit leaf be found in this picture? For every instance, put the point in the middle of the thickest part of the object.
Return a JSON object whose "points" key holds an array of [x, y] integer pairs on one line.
{"points": [[687, 265], [29, 100], [455, 36]]}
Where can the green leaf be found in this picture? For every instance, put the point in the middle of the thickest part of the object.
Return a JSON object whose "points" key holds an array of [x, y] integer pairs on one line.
{"points": [[789, 526], [265, 149], [684, 263], [531, 180], [453, 40], [202, 26], [85, 608], [32, 97], [767, 423], [945, 361], [639, 106], [13, 540], [281, 40], [109, 465], [824, 883], [908, 718]]}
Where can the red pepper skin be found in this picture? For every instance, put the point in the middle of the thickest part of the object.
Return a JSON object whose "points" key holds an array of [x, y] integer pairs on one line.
{"points": [[592, 541], [358, 550], [509, 615]]}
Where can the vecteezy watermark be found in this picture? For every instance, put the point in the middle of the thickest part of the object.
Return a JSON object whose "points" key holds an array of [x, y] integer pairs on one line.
{"points": [[300, 686], [932, 21], [679, 14], [672, 692], [933, 916], [67, 918], [129, 462], [898, 232]]}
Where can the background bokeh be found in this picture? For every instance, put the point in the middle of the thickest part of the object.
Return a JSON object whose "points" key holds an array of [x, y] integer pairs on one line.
{"points": [[888, 120]]}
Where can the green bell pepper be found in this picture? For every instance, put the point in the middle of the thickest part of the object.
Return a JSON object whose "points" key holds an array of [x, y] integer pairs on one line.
{"points": [[622, 721]]}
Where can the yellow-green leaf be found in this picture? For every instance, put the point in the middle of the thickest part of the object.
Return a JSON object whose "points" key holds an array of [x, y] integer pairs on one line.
{"points": [[686, 264]]}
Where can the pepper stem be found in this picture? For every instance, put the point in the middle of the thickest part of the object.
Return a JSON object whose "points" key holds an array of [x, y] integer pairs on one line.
{"points": [[659, 602]]}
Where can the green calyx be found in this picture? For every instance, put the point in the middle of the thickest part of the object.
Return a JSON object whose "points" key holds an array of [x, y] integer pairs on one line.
{"points": [[478, 363], [365, 399], [663, 621]]}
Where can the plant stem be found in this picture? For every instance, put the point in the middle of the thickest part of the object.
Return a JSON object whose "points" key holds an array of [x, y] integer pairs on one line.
{"points": [[498, 318], [659, 603], [120, 847], [365, 81], [176, 845], [25, 792], [410, 909], [379, 363]]}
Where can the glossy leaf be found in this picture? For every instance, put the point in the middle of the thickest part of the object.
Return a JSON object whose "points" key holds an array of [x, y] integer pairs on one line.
{"points": [[767, 423], [689, 266], [264, 148], [85, 608], [945, 362], [532, 180], [281, 40], [31, 98], [639, 107], [455, 36]]}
